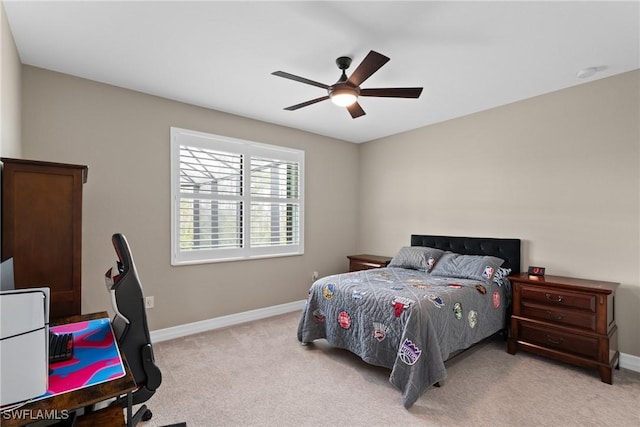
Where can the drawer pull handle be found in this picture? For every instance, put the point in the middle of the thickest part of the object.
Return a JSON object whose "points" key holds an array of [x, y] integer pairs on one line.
{"points": [[555, 317], [551, 298], [554, 341]]}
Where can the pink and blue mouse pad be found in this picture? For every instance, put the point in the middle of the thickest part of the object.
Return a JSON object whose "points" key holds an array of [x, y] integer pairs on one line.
{"points": [[96, 358]]}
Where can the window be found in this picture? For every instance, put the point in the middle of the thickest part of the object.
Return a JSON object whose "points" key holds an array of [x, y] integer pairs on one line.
{"points": [[233, 199]]}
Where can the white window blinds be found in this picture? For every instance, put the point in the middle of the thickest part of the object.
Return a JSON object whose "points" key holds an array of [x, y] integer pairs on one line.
{"points": [[234, 199], [275, 204]]}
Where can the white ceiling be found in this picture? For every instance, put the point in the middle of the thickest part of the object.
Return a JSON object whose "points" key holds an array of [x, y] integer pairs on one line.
{"points": [[468, 56]]}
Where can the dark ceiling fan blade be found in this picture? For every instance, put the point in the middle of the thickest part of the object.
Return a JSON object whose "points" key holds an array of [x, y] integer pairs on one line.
{"points": [[306, 104], [369, 65], [355, 110], [393, 92], [299, 79]]}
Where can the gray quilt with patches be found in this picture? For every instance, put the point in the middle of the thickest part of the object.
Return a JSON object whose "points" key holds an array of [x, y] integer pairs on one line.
{"points": [[402, 319]]}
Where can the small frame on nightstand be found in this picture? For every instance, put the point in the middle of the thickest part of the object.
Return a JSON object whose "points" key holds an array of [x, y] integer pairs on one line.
{"points": [[536, 271]]}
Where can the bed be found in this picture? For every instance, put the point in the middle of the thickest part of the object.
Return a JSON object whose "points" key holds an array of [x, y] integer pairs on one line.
{"points": [[438, 297]]}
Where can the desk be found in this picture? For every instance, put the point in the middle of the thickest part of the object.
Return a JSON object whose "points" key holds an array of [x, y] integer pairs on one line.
{"points": [[66, 403]]}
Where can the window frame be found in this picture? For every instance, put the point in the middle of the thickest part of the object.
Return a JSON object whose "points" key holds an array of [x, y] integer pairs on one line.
{"points": [[249, 150]]}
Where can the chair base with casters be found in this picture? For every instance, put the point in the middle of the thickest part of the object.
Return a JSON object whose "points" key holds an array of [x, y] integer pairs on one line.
{"points": [[142, 414], [145, 392]]}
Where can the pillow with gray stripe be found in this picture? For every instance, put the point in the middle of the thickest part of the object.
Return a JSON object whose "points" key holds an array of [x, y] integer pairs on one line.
{"points": [[477, 267], [416, 257]]}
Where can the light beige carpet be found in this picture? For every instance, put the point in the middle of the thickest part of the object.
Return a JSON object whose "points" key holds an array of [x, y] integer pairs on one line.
{"points": [[257, 374]]}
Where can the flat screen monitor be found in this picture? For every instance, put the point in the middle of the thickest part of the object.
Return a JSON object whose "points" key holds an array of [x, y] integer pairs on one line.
{"points": [[7, 281]]}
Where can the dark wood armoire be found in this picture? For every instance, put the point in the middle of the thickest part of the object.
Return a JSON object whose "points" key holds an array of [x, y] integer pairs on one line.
{"points": [[42, 228]]}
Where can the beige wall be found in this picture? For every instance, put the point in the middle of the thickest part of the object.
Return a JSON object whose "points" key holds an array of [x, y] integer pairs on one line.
{"points": [[577, 150], [559, 171], [10, 77], [123, 137]]}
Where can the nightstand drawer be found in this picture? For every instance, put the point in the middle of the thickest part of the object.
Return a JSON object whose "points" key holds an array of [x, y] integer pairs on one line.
{"points": [[559, 315], [366, 262], [557, 340], [559, 297], [361, 265]]}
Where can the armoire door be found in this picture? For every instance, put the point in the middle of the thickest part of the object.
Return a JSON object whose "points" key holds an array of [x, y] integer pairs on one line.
{"points": [[42, 228]]}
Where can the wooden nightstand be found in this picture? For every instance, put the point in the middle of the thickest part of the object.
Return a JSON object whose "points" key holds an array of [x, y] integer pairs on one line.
{"points": [[568, 319], [365, 262]]}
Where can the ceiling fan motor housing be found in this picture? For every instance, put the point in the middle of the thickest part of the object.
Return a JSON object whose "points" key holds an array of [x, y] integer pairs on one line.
{"points": [[343, 88], [343, 62]]}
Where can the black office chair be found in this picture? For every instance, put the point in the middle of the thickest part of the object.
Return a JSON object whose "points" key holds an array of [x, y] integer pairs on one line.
{"points": [[131, 329]]}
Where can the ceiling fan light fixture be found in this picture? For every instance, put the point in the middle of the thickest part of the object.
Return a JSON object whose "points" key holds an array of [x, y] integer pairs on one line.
{"points": [[343, 99], [343, 96]]}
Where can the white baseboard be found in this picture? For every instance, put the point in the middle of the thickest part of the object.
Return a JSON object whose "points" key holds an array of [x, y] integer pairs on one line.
{"points": [[627, 361], [630, 362], [224, 321]]}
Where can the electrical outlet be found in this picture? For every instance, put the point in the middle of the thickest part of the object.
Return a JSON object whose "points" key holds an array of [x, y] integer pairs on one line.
{"points": [[315, 275], [149, 302]]}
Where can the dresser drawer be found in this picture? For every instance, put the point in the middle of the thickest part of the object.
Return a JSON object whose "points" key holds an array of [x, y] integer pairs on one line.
{"points": [[559, 297], [561, 341], [559, 315]]}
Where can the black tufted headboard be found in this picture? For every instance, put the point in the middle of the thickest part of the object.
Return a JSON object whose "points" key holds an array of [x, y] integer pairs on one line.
{"points": [[507, 249]]}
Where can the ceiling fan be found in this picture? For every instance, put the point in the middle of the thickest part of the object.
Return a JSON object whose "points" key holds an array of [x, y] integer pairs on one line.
{"points": [[345, 91]]}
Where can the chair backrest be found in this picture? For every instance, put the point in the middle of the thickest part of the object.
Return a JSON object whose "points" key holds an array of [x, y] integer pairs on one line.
{"points": [[130, 322]]}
